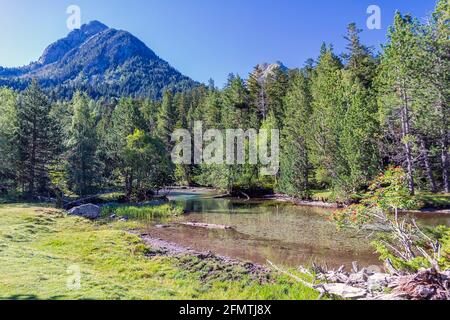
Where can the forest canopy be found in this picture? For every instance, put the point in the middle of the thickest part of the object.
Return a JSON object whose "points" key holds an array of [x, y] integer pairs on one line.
{"points": [[343, 119]]}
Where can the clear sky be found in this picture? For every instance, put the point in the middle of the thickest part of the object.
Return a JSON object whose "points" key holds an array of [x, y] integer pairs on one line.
{"points": [[203, 38]]}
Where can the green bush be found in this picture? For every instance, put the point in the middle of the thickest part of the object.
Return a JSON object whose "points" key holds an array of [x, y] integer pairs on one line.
{"points": [[441, 234]]}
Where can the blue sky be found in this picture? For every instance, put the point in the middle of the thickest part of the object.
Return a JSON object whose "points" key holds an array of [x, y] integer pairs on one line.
{"points": [[203, 38]]}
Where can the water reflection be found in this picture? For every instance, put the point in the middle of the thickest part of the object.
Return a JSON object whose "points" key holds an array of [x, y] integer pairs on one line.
{"points": [[266, 230]]}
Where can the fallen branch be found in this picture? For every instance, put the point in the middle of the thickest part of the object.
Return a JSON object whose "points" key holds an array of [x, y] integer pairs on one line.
{"points": [[429, 284], [206, 225], [245, 195], [298, 279]]}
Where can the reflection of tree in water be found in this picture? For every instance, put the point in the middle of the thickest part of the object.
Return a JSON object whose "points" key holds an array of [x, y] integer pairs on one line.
{"points": [[207, 205], [223, 206]]}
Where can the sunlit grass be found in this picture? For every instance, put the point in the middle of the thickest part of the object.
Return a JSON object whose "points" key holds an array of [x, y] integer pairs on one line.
{"points": [[142, 212], [38, 245]]}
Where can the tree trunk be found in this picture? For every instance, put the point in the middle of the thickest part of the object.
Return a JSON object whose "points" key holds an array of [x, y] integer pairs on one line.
{"points": [[306, 170], [128, 186], [33, 161], [408, 149], [426, 162], [445, 162]]}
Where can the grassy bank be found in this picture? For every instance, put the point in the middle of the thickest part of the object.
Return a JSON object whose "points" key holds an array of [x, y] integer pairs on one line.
{"points": [[40, 248], [144, 212]]}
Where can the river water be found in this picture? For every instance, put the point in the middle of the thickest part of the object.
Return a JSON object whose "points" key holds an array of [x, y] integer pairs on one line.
{"points": [[283, 233]]}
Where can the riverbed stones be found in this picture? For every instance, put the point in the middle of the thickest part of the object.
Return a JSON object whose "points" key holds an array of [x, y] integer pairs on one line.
{"points": [[88, 211]]}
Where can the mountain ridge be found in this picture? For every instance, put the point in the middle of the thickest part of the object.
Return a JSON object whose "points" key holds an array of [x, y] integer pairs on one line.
{"points": [[101, 61]]}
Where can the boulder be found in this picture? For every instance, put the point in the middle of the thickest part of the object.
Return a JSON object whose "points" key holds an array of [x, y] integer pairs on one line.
{"points": [[89, 211]]}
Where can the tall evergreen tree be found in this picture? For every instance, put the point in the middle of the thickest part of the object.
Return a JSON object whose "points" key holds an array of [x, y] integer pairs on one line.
{"points": [[256, 85], [359, 58], [167, 119], [436, 70], [360, 131], [294, 162], [82, 158], [126, 119], [149, 110], [328, 110], [276, 85], [397, 79], [38, 139], [8, 132], [358, 140]]}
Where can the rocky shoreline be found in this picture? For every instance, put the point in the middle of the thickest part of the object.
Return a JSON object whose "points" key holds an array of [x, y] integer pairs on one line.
{"points": [[216, 265]]}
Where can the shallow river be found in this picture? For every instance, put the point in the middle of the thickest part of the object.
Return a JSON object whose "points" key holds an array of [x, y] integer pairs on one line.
{"points": [[267, 230]]}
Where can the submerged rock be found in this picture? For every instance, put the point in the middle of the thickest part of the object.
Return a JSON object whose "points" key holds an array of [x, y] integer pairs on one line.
{"points": [[89, 211]]}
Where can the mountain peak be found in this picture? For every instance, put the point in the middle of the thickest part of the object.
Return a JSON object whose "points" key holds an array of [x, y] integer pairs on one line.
{"points": [[265, 70], [57, 50], [100, 60], [93, 27]]}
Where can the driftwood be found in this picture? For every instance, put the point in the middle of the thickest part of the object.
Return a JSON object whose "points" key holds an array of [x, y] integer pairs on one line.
{"points": [[206, 225], [429, 284], [245, 195], [222, 196]]}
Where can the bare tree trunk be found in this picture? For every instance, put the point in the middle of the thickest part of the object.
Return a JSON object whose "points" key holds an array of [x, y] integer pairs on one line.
{"points": [[444, 145], [306, 172], [407, 144], [33, 161], [426, 162], [128, 186], [445, 162]]}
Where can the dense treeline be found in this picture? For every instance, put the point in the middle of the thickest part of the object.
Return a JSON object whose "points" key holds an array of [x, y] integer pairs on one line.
{"points": [[343, 120]]}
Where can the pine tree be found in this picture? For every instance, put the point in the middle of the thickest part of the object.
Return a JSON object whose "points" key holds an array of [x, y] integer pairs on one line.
{"points": [[397, 84], [435, 69], [8, 132], [149, 110], [82, 160], [360, 61], [294, 162], [328, 110], [126, 119], [235, 104], [38, 139], [167, 118], [358, 140], [276, 85], [257, 93], [211, 110]]}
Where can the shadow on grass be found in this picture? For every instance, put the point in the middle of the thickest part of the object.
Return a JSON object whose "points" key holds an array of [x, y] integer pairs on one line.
{"points": [[21, 297], [25, 205], [31, 297]]}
